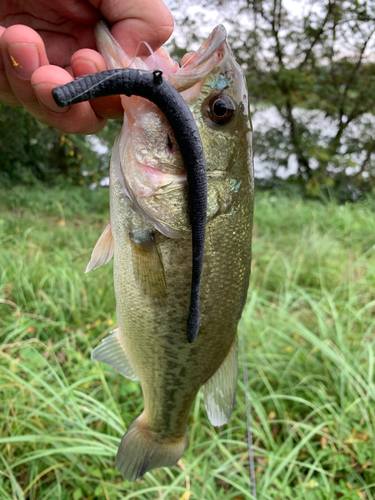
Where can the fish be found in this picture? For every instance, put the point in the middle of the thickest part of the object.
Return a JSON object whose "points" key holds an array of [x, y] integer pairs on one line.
{"points": [[150, 239]]}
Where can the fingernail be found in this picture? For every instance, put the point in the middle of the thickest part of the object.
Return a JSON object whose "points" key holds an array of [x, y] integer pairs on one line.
{"points": [[24, 58], [43, 92]]}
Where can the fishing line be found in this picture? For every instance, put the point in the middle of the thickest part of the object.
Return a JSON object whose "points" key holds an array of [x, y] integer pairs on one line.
{"points": [[248, 419], [188, 61], [152, 54]]}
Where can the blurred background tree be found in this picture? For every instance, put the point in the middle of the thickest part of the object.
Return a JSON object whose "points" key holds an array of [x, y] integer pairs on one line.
{"points": [[32, 153], [310, 69]]}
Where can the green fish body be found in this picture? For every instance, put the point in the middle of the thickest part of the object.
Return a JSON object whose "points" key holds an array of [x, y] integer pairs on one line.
{"points": [[150, 239]]}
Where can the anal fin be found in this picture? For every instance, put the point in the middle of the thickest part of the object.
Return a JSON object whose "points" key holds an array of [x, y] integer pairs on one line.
{"points": [[148, 266], [220, 390], [103, 250], [112, 352]]}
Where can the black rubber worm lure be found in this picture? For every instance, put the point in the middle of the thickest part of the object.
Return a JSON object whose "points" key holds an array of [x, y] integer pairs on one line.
{"points": [[155, 88]]}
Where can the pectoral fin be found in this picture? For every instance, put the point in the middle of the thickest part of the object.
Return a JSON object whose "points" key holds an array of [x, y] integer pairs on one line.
{"points": [[103, 250], [148, 266], [220, 389], [112, 352]]}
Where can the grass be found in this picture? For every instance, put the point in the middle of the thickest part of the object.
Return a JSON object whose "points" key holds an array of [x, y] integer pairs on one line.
{"points": [[308, 327]]}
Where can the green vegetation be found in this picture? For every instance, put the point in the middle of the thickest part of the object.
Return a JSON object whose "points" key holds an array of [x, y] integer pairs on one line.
{"points": [[39, 154], [309, 332], [311, 79]]}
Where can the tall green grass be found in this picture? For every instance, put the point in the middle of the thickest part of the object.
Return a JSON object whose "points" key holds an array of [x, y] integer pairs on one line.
{"points": [[309, 331]]}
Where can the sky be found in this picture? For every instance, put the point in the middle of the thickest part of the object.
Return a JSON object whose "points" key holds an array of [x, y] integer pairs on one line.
{"points": [[208, 18]]}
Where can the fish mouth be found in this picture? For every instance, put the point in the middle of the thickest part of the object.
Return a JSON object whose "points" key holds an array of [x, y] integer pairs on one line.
{"points": [[208, 48], [195, 69], [202, 62]]}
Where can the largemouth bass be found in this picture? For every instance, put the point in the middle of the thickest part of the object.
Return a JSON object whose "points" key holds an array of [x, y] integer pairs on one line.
{"points": [[149, 236]]}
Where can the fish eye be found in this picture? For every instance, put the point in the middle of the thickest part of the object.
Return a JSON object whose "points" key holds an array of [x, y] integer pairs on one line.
{"points": [[221, 109]]}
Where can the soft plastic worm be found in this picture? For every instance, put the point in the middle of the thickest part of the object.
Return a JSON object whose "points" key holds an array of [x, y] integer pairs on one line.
{"points": [[155, 88]]}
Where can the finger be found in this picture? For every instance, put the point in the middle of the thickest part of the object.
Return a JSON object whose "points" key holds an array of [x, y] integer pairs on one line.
{"points": [[6, 93], [61, 39], [77, 119], [86, 62], [81, 12], [24, 58], [133, 22], [61, 46], [22, 52]]}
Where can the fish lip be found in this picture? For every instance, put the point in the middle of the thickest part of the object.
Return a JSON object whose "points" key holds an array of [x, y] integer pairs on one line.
{"points": [[201, 63], [208, 47]]}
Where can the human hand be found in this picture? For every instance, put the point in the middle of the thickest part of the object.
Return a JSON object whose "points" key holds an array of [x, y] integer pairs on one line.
{"points": [[44, 44]]}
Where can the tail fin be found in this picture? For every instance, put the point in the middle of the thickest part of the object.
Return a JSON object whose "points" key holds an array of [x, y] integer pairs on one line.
{"points": [[142, 450]]}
